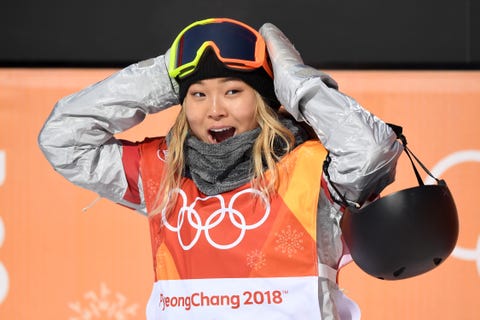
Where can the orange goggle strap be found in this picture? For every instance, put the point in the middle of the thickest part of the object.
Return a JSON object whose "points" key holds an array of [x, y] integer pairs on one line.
{"points": [[250, 58]]}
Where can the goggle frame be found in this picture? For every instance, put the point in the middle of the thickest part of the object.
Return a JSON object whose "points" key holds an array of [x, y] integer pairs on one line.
{"points": [[180, 71]]}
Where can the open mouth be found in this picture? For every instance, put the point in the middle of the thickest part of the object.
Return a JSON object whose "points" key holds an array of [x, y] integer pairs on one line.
{"points": [[219, 135]]}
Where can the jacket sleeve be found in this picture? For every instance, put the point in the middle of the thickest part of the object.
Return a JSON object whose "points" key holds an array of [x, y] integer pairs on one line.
{"points": [[363, 153], [363, 150], [78, 136]]}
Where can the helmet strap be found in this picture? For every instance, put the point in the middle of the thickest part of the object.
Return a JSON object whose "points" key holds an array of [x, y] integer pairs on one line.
{"points": [[398, 131]]}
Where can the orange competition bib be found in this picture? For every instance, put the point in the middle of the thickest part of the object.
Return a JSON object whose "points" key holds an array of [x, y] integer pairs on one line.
{"points": [[237, 254]]}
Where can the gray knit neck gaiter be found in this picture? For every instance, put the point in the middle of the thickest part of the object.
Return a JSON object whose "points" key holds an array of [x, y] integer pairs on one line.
{"points": [[221, 167]]}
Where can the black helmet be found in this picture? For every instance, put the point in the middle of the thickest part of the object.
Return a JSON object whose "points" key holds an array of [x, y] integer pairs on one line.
{"points": [[403, 234]]}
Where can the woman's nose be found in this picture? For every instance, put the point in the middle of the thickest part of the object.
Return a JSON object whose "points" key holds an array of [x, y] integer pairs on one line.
{"points": [[217, 108]]}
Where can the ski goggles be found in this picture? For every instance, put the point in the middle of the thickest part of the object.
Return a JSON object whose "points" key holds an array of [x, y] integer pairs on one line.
{"points": [[237, 45]]}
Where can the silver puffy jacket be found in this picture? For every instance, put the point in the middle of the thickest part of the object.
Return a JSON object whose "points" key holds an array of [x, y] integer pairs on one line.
{"points": [[78, 140]]}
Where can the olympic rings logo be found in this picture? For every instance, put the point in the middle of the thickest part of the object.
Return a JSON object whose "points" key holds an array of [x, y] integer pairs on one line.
{"points": [[188, 215]]}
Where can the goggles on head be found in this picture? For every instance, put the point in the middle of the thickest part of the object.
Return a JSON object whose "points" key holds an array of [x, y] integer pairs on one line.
{"points": [[236, 44]]}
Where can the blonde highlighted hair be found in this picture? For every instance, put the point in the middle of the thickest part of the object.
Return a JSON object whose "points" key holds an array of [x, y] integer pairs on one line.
{"points": [[264, 155]]}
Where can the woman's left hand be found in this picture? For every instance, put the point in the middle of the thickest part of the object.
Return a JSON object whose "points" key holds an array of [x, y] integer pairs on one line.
{"points": [[289, 70]]}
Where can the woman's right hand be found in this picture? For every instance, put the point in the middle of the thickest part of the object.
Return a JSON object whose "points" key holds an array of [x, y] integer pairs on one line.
{"points": [[159, 90]]}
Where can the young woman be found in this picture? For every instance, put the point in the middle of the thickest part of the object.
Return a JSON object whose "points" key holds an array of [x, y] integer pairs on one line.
{"points": [[245, 193]]}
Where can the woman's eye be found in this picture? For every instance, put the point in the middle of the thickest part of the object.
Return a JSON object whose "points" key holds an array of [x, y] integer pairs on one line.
{"points": [[197, 94], [233, 91]]}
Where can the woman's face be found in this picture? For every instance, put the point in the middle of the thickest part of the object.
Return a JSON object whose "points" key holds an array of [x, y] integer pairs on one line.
{"points": [[220, 108]]}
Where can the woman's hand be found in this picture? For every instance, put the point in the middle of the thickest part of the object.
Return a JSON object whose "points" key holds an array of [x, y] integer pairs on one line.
{"points": [[289, 70]]}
